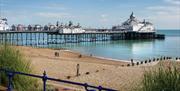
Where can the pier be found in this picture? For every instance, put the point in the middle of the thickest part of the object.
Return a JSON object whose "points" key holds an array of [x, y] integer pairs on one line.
{"points": [[40, 38]]}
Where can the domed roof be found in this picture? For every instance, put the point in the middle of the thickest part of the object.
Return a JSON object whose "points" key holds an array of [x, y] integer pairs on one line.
{"points": [[131, 21]]}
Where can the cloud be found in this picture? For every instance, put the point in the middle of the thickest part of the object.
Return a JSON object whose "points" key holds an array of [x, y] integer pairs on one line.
{"points": [[55, 6], [175, 2], [166, 16], [103, 18], [171, 7], [165, 20], [53, 15], [165, 9], [104, 15]]}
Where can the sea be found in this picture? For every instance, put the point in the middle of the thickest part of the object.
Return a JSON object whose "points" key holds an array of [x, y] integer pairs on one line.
{"points": [[131, 49], [120, 50]]}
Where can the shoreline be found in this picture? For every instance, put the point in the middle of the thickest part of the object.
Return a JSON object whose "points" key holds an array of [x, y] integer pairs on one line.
{"points": [[99, 57], [106, 60], [117, 60]]}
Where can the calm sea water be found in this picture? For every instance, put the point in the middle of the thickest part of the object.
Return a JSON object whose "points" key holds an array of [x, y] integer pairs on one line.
{"points": [[128, 49]]}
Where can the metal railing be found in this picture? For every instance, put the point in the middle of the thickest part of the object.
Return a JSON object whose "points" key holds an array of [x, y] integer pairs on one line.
{"points": [[44, 78]]}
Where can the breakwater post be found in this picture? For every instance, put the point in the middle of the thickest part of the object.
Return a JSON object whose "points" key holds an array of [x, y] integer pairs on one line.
{"points": [[77, 72]]}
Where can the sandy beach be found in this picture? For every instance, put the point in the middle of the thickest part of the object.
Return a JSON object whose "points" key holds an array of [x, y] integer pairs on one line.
{"points": [[93, 70]]}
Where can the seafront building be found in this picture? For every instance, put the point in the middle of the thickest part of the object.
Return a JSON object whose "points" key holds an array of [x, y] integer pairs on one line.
{"points": [[70, 28], [130, 25], [133, 24], [3, 24]]}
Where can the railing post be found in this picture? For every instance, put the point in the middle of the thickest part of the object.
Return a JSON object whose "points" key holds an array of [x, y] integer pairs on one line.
{"points": [[100, 88], [85, 86], [0, 77], [10, 76], [44, 81]]}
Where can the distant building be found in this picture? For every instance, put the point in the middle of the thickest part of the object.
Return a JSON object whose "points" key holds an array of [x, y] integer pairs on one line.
{"points": [[37, 27], [46, 28], [3, 24], [132, 24], [52, 27], [20, 27], [70, 28], [29, 28], [13, 28]]}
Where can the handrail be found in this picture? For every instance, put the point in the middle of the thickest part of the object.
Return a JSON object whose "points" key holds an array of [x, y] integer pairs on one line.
{"points": [[44, 78]]}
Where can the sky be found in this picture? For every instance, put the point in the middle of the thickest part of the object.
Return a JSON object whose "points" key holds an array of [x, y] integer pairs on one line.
{"points": [[164, 14]]}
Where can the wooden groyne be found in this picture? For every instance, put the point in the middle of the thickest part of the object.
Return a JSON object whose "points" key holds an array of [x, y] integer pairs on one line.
{"points": [[53, 37]]}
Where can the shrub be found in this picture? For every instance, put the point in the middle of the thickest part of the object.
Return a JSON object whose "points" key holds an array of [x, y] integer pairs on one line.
{"points": [[164, 78], [12, 59]]}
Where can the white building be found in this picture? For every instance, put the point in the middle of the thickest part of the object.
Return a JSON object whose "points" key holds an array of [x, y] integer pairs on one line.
{"points": [[37, 27], [132, 24], [70, 28], [20, 27], [3, 24]]}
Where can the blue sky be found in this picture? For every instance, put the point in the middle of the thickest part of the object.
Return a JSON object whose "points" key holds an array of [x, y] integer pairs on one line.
{"points": [[164, 14]]}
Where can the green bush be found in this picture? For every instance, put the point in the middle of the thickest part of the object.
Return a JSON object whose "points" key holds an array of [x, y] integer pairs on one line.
{"points": [[12, 59], [163, 78]]}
